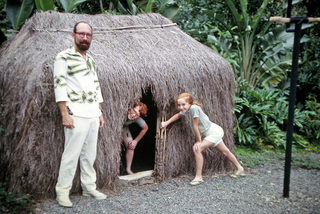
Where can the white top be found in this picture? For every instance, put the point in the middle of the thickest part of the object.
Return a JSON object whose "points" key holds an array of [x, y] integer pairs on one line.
{"points": [[76, 82], [194, 112]]}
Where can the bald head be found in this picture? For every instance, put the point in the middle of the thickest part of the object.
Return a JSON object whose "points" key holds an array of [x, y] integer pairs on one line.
{"points": [[81, 22]]}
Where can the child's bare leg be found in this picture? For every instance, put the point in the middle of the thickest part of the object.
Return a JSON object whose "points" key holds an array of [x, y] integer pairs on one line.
{"points": [[129, 158], [226, 152], [199, 165], [129, 155], [199, 158]]}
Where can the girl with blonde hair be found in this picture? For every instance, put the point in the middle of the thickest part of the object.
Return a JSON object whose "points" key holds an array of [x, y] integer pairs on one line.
{"points": [[202, 126]]}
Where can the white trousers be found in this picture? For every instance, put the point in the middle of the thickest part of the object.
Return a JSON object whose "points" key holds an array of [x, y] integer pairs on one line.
{"points": [[80, 143]]}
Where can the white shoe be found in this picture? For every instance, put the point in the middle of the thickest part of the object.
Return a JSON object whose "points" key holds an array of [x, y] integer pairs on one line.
{"points": [[95, 194], [64, 201]]}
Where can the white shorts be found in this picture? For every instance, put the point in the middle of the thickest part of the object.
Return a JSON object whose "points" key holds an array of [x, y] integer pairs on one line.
{"points": [[214, 134]]}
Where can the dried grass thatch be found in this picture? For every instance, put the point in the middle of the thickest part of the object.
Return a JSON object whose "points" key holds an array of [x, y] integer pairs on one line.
{"points": [[133, 54]]}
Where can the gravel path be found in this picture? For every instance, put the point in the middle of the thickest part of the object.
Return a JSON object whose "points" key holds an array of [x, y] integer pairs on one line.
{"points": [[259, 192]]}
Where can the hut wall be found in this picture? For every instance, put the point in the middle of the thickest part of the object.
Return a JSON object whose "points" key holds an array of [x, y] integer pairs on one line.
{"points": [[146, 56]]}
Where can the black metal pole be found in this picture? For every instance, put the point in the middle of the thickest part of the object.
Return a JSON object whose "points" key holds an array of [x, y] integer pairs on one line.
{"points": [[292, 99], [289, 8], [288, 29]]}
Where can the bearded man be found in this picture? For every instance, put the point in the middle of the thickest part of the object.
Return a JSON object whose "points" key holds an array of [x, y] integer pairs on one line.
{"points": [[78, 94]]}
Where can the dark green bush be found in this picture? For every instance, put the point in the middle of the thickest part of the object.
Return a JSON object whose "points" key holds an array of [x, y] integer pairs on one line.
{"points": [[261, 118], [15, 201]]}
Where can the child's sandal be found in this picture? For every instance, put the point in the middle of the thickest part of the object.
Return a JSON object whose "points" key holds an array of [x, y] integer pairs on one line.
{"points": [[196, 182]]}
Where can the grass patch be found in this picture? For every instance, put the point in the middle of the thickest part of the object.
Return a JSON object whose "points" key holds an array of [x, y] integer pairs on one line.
{"points": [[253, 158], [309, 149], [305, 161]]}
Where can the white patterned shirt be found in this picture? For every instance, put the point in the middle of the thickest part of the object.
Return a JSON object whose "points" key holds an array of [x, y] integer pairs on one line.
{"points": [[76, 83]]}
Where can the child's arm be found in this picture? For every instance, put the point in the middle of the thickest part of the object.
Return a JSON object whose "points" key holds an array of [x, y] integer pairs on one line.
{"points": [[195, 123], [143, 131], [133, 143], [175, 117]]}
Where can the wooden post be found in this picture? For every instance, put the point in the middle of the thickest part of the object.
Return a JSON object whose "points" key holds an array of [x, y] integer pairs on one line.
{"points": [[160, 149]]}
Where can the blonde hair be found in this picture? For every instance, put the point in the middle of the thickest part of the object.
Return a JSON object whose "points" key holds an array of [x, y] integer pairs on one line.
{"points": [[188, 98]]}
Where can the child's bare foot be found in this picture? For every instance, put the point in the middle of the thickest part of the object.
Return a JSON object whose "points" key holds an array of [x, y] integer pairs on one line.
{"points": [[129, 172], [196, 178], [239, 171]]}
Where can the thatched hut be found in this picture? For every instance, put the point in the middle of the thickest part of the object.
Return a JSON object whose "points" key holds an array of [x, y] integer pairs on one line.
{"points": [[143, 57]]}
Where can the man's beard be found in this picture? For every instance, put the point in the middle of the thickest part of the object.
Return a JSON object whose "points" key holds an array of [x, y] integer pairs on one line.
{"points": [[83, 45]]}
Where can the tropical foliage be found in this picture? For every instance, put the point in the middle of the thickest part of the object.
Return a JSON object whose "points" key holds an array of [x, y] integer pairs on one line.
{"points": [[44, 5], [260, 53], [262, 115], [18, 11]]}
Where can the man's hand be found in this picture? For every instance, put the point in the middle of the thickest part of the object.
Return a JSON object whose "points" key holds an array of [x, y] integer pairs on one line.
{"points": [[67, 122], [66, 119], [101, 121]]}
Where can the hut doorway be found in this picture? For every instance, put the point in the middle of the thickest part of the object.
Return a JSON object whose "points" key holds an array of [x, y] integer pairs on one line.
{"points": [[144, 154]]}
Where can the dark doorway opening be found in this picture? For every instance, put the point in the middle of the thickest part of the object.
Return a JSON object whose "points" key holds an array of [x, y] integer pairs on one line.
{"points": [[144, 153]]}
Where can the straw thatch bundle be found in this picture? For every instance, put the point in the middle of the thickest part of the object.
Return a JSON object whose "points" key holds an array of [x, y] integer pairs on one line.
{"points": [[133, 54]]}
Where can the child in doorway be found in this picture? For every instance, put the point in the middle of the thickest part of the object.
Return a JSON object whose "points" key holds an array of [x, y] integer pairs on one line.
{"points": [[134, 116], [201, 125]]}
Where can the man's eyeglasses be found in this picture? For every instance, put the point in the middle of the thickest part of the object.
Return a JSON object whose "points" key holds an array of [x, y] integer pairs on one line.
{"points": [[82, 34]]}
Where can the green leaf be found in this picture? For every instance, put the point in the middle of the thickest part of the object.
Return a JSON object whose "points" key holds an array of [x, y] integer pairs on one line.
{"points": [[44, 5], [244, 6], [69, 5], [19, 13], [149, 6], [119, 6], [256, 19], [210, 13], [300, 140], [165, 3], [132, 7], [171, 12], [285, 6], [238, 18]]}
